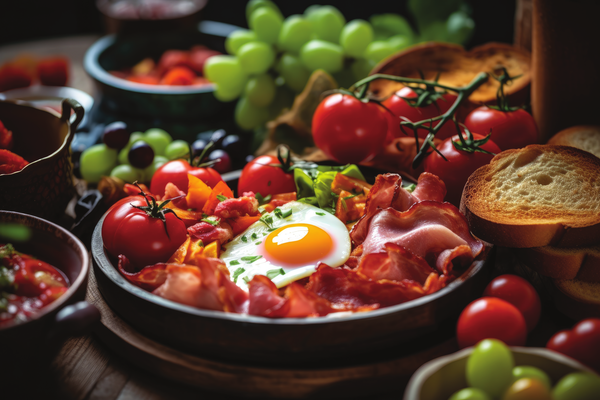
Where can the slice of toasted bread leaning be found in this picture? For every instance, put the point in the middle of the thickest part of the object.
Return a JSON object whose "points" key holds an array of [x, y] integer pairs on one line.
{"points": [[582, 263], [584, 137], [536, 196]]}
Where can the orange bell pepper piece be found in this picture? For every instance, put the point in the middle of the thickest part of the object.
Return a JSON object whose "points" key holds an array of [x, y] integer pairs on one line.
{"points": [[220, 188], [198, 193], [240, 224]]}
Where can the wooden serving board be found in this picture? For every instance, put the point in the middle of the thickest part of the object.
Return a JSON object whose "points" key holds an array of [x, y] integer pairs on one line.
{"points": [[366, 379]]}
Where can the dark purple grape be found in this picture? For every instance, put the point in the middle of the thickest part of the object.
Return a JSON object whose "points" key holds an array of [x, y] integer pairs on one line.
{"points": [[198, 147], [217, 138], [236, 148], [140, 155], [116, 135], [224, 164]]}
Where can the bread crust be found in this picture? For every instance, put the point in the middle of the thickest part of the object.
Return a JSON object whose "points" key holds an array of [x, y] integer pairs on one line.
{"points": [[584, 137], [496, 222]]}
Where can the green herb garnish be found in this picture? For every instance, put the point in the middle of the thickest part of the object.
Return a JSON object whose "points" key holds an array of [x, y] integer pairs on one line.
{"points": [[272, 273], [250, 259], [220, 197], [244, 239], [234, 262], [282, 214], [237, 273]]}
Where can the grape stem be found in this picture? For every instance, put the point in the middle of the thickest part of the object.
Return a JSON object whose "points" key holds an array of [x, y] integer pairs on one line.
{"points": [[463, 93]]}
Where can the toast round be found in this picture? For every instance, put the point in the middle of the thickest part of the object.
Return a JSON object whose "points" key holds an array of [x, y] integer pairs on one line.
{"points": [[584, 137], [536, 196], [582, 263], [576, 299]]}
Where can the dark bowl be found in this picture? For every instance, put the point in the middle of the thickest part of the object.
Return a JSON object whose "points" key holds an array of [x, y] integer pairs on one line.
{"points": [[332, 340], [116, 52], [35, 341], [45, 186]]}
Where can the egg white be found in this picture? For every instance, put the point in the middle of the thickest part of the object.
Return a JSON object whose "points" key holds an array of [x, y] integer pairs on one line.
{"points": [[247, 249]]}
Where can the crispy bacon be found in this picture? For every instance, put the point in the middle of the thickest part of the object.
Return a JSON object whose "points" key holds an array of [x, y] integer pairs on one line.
{"points": [[149, 278], [395, 264], [298, 302], [237, 207], [428, 229], [205, 286], [277, 200], [178, 196], [209, 233]]}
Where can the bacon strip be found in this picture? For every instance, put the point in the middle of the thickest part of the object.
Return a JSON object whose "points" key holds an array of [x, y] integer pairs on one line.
{"points": [[209, 233], [237, 207], [395, 264], [428, 229]]}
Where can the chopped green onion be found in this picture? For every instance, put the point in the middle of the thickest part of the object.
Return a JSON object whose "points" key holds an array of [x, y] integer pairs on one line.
{"points": [[272, 273], [244, 239], [220, 197], [237, 273], [320, 213], [234, 262], [250, 259]]}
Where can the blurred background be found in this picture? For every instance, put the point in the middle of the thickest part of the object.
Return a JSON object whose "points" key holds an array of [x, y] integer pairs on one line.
{"points": [[27, 20]]}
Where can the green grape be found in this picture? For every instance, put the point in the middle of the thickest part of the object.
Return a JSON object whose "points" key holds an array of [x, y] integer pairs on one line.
{"points": [[260, 90], [435, 31], [293, 72], [388, 25], [296, 31], [489, 367], [459, 27], [361, 68], [254, 5], [237, 39], [327, 22], [527, 371], [256, 57], [577, 386], [226, 91], [399, 42], [127, 173], [355, 37], [319, 54], [379, 50], [97, 161], [177, 149], [284, 98], [266, 23], [223, 68], [158, 139], [249, 116], [134, 137], [425, 12], [470, 394], [151, 169]]}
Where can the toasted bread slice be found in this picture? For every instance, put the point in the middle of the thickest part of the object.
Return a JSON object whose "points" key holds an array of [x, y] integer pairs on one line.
{"points": [[582, 263], [536, 196], [584, 137], [577, 299]]}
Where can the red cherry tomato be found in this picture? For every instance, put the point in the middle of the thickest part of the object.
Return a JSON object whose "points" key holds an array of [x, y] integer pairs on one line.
{"points": [[510, 130], [460, 165], [491, 318], [261, 176], [518, 292], [176, 172], [349, 130], [581, 343], [402, 108], [143, 239]]}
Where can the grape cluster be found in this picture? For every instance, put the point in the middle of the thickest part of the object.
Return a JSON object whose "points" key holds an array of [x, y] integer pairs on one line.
{"points": [[271, 62]]}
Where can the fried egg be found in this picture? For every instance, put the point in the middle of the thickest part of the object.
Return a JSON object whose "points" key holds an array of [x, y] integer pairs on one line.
{"points": [[287, 245]]}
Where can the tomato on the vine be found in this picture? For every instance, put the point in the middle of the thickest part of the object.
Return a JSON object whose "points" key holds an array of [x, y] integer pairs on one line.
{"points": [[176, 172], [511, 129], [266, 175], [402, 108], [518, 292], [460, 164], [582, 342], [491, 317], [349, 130], [141, 230]]}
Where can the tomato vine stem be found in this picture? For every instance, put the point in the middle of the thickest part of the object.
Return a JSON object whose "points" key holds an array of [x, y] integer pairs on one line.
{"points": [[361, 88]]}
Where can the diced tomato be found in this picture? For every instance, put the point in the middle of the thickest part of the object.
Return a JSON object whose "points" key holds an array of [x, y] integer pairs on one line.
{"points": [[53, 71], [13, 76], [181, 76]]}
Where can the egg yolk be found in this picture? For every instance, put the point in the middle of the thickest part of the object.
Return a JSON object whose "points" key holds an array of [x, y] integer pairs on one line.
{"points": [[298, 245]]}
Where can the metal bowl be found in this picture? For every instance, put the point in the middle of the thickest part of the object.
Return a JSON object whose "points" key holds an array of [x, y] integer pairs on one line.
{"points": [[36, 340], [43, 137], [115, 52], [336, 339]]}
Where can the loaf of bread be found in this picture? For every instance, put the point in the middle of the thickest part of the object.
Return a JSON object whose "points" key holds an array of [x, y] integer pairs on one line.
{"points": [[536, 196], [582, 263], [584, 137], [577, 299]]}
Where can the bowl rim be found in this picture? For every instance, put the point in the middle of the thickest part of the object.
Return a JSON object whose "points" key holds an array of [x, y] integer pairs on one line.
{"points": [[426, 370], [67, 140], [62, 301], [93, 68], [111, 272]]}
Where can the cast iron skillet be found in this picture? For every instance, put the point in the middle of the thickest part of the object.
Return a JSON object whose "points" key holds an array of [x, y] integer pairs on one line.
{"points": [[299, 342]]}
